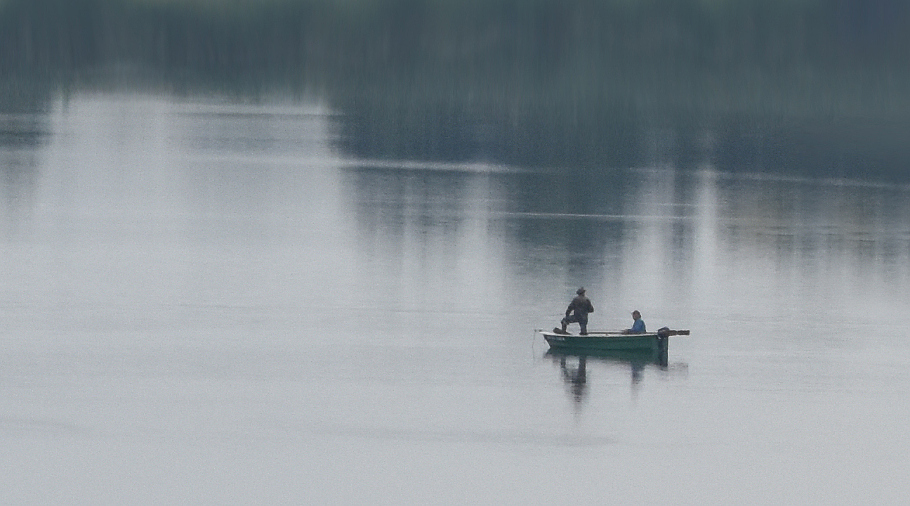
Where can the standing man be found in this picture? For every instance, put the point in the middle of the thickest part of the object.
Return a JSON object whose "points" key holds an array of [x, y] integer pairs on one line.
{"points": [[579, 309], [638, 325]]}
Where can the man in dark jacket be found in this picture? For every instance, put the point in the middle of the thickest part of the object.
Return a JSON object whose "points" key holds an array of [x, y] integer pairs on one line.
{"points": [[577, 312]]}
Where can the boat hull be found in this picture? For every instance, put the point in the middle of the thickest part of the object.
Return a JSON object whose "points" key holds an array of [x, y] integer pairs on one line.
{"points": [[606, 342]]}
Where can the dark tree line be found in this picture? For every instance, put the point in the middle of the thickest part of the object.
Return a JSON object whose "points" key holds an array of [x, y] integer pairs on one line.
{"points": [[526, 81], [494, 37]]}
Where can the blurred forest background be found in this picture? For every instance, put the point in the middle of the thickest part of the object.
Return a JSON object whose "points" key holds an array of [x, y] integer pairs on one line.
{"points": [[822, 87]]}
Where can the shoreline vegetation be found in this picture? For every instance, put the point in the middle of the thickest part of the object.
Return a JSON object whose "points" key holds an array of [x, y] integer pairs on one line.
{"points": [[580, 82]]}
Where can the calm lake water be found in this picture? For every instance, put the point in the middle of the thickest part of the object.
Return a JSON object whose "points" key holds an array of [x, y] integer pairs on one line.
{"points": [[206, 301]]}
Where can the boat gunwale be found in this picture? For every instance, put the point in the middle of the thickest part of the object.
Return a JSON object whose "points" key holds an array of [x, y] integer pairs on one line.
{"points": [[603, 334]]}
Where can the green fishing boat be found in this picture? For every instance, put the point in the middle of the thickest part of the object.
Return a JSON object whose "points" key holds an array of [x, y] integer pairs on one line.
{"points": [[611, 341]]}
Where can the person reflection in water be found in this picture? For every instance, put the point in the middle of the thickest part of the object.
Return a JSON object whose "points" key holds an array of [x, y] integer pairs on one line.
{"points": [[576, 378], [638, 325], [577, 312]]}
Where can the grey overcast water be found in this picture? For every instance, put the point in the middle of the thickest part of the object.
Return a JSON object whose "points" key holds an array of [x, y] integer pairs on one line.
{"points": [[205, 301]]}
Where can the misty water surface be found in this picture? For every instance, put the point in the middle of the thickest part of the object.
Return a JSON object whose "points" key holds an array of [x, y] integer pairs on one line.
{"points": [[297, 252], [209, 301]]}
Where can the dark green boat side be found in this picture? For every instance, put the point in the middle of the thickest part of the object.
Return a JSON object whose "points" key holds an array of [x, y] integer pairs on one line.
{"points": [[606, 341]]}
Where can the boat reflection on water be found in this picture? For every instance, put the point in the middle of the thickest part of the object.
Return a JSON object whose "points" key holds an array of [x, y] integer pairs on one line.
{"points": [[574, 365]]}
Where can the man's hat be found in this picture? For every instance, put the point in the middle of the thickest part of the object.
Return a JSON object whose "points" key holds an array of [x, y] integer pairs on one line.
{"points": [[580, 291]]}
